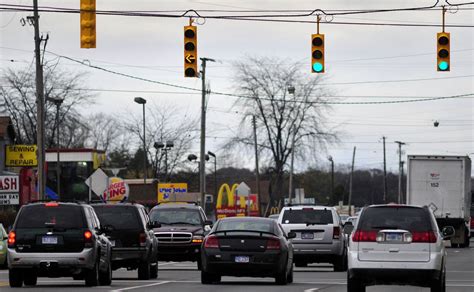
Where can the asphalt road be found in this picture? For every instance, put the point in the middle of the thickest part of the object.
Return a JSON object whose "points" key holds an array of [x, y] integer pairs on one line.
{"points": [[185, 277]]}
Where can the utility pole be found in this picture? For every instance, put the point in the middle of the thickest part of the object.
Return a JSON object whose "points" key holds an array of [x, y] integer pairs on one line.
{"points": [[350, 181], [257, 173], [402, 196], [332, 178], [39, 106], [399, 170], [202, 164], [290, 189], [384, 173]]}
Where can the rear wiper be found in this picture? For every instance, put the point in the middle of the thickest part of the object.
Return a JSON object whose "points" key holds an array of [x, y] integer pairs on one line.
{"points": [[385, 227]]}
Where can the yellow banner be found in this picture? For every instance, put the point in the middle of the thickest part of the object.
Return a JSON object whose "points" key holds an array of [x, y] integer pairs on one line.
{"points": [[20, 155], [171, 191]]}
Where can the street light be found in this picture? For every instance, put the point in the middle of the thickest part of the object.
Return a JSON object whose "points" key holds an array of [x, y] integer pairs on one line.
{"points": [[192, 157], [215, 171], [57, 102], [142, 101], [164, 147], [332, 176]]}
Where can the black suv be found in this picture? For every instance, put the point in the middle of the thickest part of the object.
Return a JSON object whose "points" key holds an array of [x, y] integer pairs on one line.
{"points": [[58, 239], [130, 232], [183, 227]]}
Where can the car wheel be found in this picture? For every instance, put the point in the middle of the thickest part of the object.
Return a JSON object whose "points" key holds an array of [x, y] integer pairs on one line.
{"points": [[355, 285], [466, 240], [208, 278], [105, 278], [15, 277], [154, 271], [91, 276], [144, 270], [440, 284], [199, 264], [289, 278], [30, 277], [340, 263], [281, 278], [301, 264]]}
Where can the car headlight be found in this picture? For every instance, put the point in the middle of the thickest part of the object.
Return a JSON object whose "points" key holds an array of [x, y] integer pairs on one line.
{"points": [[197, 239]]}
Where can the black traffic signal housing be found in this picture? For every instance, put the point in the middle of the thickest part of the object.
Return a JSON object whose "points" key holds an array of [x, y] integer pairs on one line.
{"points": [[317, 53], [190, 51], [443, 54], [88, 17]]}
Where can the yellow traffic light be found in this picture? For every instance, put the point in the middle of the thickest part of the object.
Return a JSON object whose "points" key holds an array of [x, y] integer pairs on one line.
{"points": [[190, 51], [317, 53], [443, 54], [88, 24]]}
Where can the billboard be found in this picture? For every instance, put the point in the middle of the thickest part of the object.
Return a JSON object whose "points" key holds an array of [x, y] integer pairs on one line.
{"points": [[9, 190], [171, 191], [20, 155]]}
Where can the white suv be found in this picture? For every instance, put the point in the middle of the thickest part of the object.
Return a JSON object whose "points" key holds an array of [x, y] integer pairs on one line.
{"points": [[319, 237], [397, 244]]}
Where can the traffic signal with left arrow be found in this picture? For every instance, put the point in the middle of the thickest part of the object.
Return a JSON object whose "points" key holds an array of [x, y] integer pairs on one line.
{"points": [[190, 51]]}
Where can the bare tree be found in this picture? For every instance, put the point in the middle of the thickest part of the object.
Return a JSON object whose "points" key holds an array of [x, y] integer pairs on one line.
{"points": [[288, 105], [105, 132], [18, 93], [165, 123]]}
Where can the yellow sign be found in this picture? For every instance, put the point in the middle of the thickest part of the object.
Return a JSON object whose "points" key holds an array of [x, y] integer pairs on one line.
{"points": [[20, 155], [171, 191]]}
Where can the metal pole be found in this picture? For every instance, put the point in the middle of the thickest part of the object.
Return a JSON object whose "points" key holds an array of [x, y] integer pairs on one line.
{"points": [[58, 162], [401, 183], [290, 191], [166, 163], [215, 176], [399, 170], [202, 156], [144, 147], [384, 173], [350, 182], [332, 180], [39, 107], [257, 172]]}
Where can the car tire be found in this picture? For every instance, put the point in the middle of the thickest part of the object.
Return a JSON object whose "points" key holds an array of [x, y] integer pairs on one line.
{"points": [[30, 277], [154, 271], [281, 278], [15, 277], [199, 264], [91, 276], [144, 270], [105, 278], [289, 278], [466, 240], [355, 285], [340, 264], [439, 285], [301, 264], [208, 278]]}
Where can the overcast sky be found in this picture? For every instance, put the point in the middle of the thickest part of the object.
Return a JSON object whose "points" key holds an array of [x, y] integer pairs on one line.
{"points": [[359, 61]]}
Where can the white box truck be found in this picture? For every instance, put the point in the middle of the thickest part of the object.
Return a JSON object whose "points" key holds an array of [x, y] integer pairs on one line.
{"points": [[443, 183]]}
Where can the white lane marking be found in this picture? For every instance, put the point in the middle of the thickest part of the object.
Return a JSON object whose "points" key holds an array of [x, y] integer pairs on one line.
{"points": [[141, 286], [311, 290]]}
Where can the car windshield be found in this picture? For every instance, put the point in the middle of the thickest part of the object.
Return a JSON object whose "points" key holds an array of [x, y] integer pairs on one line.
{"points": [[176, 216], [58, 216], [119, 217], [406, 218], [307, 216], [245, 225]]}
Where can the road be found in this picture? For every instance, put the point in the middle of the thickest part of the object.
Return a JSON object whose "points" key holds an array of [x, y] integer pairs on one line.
{"points": [[185, 277]]}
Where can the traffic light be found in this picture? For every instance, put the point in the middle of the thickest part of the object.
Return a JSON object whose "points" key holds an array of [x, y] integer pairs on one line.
{"points": [[443, 54], [87, 24], [317, 53], [190, 51]]}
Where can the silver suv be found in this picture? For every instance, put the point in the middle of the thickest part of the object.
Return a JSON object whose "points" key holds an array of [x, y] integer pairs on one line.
{"points": [[319, 237], [397, 244]]}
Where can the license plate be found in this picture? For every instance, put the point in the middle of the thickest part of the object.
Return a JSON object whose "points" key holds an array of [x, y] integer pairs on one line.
{"points": [[112, 243], [49, 240], [307, 235], [242, 259], [393, 237]]}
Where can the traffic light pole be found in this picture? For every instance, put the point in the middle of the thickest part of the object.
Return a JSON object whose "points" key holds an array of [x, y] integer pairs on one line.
{"points": [[202, 164]]}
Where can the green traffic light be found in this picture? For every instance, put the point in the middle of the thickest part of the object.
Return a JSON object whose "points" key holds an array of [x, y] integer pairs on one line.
{"points": [[318, 67], [443, 66]]}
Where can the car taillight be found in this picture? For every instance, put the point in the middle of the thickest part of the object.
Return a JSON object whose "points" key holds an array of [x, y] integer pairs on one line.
{"points": [[336, 232], [142, 239], [273, 243], [211, 242], [364, 235], [11, 239], [87, 238], [424, 236], [51, 204], [472, 222]]}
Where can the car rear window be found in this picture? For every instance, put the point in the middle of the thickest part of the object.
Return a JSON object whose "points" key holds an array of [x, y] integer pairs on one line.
{"points": [[246, 225], [176, 216], [119, 217], [307, 215], [59, 216], [406, 218]]}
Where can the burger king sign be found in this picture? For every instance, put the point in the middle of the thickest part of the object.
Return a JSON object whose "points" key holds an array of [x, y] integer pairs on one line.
{"points": [[117, 191]]}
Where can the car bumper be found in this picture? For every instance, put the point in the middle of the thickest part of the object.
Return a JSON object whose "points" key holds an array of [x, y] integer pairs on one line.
{"points": [[416, 277], [260, 265], [190, 252], [317, 252], [83, 259], [124, 254]]}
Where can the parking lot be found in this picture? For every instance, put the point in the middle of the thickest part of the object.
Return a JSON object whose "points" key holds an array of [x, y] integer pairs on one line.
{"points": [[185, 277]]}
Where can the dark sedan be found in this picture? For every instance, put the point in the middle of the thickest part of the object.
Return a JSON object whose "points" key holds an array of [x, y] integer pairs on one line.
{"points": [[247, 247]]}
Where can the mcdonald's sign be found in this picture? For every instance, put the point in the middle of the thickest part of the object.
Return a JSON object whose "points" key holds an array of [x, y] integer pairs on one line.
{"points": [[235, 205]]}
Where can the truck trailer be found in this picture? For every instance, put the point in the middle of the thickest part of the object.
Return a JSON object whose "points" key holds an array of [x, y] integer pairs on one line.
{"points": [[443, 183]]}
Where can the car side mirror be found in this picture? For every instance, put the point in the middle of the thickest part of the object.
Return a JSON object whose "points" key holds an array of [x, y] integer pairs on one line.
{"points": [[208, 222], [447, 232], [154, 224], [291, 235], [348, 228]]}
